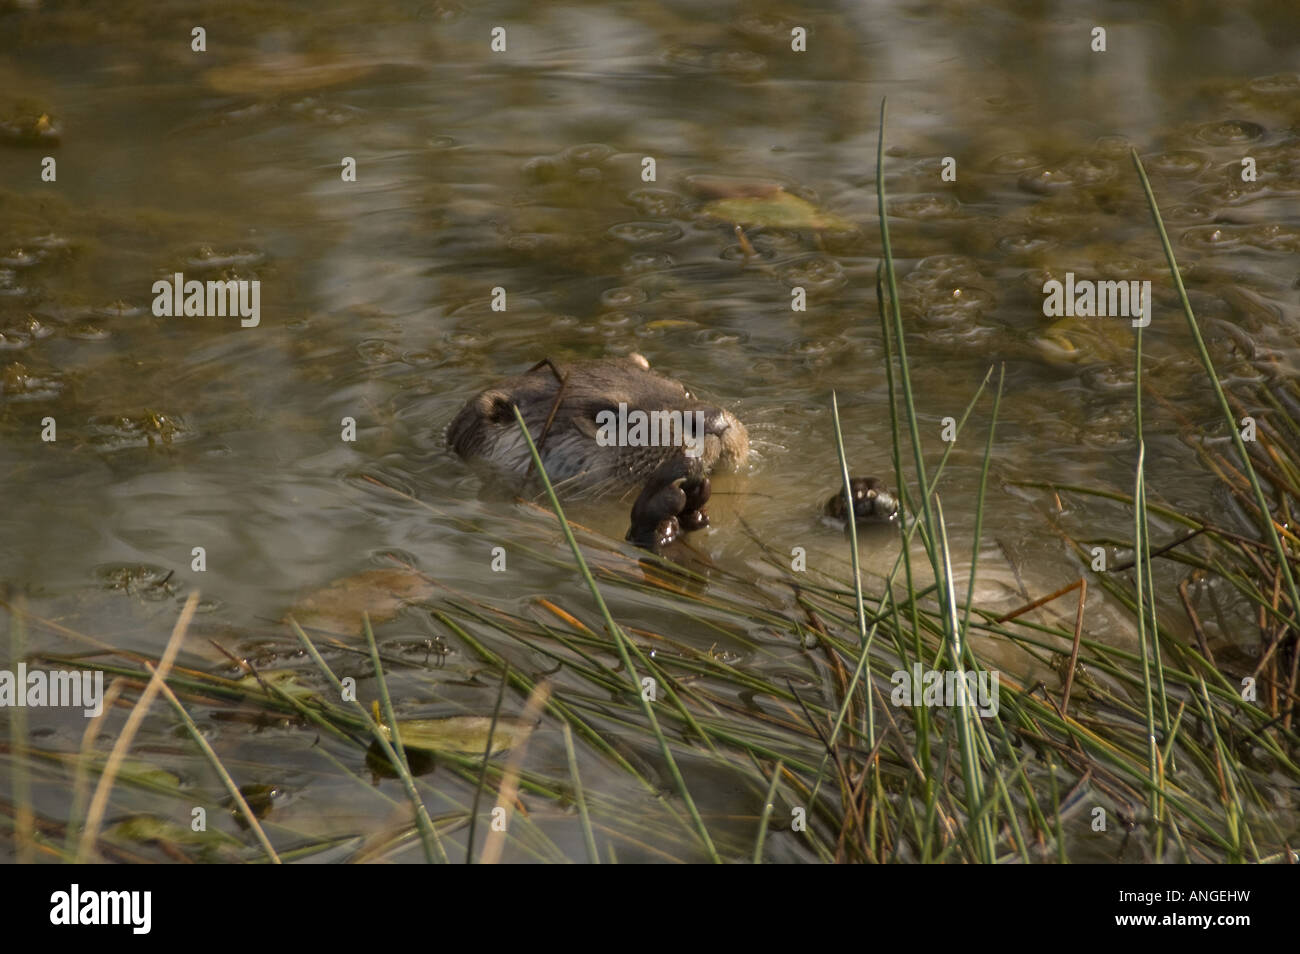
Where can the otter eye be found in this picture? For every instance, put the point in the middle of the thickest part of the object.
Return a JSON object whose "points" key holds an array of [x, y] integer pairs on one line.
{"points": [[689, 395]]}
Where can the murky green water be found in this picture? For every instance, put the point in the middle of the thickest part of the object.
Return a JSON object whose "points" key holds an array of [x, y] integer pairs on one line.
{"points": [[523, 170]]}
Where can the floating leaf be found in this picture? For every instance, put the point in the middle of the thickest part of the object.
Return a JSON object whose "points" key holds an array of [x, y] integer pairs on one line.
{"points": [[1085, 339], [212, 846], [141, 829], [719, 187], [138, 772], [286, 73], [381, 593], [26, 123], [464, 735], [286, 680], [778, 210]]}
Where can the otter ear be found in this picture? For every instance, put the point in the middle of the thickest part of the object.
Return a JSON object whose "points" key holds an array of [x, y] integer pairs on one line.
{"points": [[495, 406]]}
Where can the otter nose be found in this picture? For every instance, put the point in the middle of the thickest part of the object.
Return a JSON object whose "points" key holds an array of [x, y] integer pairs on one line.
{"points": [[716, 420]]}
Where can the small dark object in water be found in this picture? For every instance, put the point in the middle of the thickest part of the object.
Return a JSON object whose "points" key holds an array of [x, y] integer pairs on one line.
{"points": [[671, 503], [872, 502]]}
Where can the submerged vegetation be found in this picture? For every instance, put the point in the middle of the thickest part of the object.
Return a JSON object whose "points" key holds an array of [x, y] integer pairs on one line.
{"points": [[1152, 750]]}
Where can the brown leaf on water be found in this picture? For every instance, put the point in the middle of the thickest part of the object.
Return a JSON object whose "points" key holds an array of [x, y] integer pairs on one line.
{"points": [[381, 593], [721, 187], [287, 73]]}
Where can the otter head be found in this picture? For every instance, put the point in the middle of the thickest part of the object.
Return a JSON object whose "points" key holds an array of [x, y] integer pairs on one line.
{"points": [[612, 422]]}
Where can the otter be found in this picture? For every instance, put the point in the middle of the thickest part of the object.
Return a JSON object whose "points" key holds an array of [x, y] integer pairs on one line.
{"points": [[598, 425], [583, 416]]}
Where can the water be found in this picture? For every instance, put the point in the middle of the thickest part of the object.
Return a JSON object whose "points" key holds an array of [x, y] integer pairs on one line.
{"points": [[523, 170]]}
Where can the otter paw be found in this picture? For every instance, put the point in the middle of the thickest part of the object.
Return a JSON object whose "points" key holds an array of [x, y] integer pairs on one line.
{"points": [[698, 490], [693, 520], [872, 502], [666, 532], [672, 502]]}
